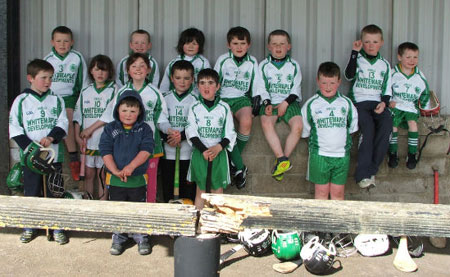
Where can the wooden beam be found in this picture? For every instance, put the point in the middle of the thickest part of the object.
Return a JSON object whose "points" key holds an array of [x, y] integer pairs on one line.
{"points": [[98, 216], [358, 217]]}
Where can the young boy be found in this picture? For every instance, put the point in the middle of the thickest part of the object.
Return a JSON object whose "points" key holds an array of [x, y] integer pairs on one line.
{"points": [[282, 78], [68, 80], [328, 120], [409, 87], [178, 101], [38, 115], [139, 43], [239, 79], [125, 146], [210, 131], [370, 92]]}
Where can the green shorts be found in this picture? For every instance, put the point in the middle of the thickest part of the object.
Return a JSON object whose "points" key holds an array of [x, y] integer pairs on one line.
{"points": [[323, 170], [70, 101], [237, 103], [401, 118], [292, 110], [198, 169]]}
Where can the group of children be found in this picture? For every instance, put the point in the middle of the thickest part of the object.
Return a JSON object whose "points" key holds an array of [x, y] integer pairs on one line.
{"points": [[190, 117]]}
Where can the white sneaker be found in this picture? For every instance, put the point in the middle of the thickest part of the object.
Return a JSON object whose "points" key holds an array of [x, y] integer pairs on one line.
{"points": [[365, 183], [372, 179]]}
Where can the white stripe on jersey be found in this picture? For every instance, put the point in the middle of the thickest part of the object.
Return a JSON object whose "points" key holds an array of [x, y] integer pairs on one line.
{"points": [[89, 108], [211, 125], [328, 123], [122, 74], [372, 79], [66, 81], [36, 117], [198, 61], [178, 109], [236, 80], [406, 90], [281, 82]]}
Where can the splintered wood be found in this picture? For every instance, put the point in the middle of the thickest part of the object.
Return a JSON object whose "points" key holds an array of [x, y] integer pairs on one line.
{"points": [[225, 215]]}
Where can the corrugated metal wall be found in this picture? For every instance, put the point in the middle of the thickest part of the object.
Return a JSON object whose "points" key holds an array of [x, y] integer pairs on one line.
{"points": [[321, 30]]}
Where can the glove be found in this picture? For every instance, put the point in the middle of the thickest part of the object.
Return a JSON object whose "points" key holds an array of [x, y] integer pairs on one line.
{"points": [[39, 159], [256, 105]]}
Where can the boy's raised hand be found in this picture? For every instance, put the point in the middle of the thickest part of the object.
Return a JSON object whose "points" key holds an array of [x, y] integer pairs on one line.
{"points": [[86, 133], [46, 141], [380, 108], [174, 137], [357, 45], [212, 152]]}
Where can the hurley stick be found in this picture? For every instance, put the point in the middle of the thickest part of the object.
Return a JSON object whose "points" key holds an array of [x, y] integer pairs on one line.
{"points": [[403, 260]]}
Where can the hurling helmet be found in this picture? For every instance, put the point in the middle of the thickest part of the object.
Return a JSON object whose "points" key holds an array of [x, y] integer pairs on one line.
{"points": [[286, 246], [256, 241], [317, 258], [372, 245]]}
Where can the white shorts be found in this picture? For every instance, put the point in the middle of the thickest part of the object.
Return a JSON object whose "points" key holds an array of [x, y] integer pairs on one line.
{"points": [[94, 161]]}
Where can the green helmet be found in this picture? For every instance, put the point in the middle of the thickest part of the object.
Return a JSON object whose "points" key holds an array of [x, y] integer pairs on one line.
{"points": [[39, 159], [14, 179], [286, 246]]}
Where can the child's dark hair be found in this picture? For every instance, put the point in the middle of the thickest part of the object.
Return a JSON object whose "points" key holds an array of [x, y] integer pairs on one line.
{"points": [[140, 32], [372, 29], [133, 57], [329, 69], [279, 32], [62, 30], [189, 35], [131, 101], [208, 73], [240, 33], [37, 65], [103, 63], [407, 46], [182, 65]]}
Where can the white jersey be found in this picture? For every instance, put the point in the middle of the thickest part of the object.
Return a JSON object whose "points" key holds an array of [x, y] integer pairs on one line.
{"points": [[407, 91], [70, 73], [35, 116], [211, 125], [122, 74], [178, 108], [155, 111], [281, 80], [198, 61], [372, 79], [328, 123], [89, 108], [238, 79]]}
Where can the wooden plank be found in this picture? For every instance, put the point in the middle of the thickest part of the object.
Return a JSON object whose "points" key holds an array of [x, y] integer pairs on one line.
{"points": [[98, 216], [358, 217]]}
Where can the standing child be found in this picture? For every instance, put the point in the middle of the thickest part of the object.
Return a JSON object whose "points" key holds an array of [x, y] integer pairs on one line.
{"points": [[409, 87], [371, 92], [328, 119], [139, 43], [37, 115], [68, 80], [282, 78], [239, 79], [90, 106], [190, 48], [125, 146], [178, 101], [155, 112], [210, 131]]}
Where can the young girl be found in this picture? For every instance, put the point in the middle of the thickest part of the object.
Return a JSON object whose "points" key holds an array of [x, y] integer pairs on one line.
{"points": [[190, 48], [90, 106], [138, 66]]}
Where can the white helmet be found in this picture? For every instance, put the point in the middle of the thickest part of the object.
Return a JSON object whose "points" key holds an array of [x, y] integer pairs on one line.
{"points": [[372, 245]]}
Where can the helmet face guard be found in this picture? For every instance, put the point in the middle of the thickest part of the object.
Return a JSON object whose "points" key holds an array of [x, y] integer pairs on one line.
{"points": [[286, 246], [317, 258], [39, 159]]}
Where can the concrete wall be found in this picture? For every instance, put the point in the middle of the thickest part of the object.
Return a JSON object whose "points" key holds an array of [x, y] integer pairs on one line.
{"points": [[396, 185]]}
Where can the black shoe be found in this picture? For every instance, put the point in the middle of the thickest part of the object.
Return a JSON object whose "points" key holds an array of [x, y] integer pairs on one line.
{"points": [[393, 160], [233, 173], [27, 236], [411, 162], [116, 249], [144, 248], [241, 178]]}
